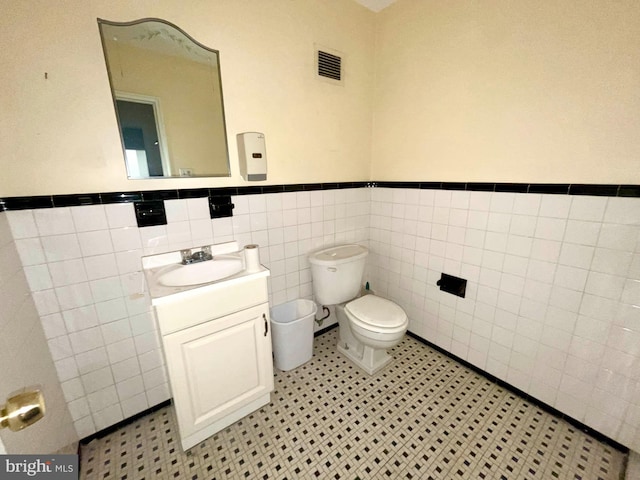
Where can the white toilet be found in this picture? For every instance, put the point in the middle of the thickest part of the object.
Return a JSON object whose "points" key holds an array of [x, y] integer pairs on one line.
{"points": [[368, 324]]}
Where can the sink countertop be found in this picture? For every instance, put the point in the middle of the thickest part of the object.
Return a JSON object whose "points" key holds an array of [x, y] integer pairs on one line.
{"points": [[161, 293], [154, 264]]}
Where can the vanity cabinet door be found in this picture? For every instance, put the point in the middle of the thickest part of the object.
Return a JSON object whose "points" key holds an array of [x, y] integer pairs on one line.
{"points": [[219, 366]]}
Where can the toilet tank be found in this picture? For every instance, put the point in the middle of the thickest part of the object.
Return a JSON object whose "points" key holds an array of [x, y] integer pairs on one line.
{"points": [[337, 273]]}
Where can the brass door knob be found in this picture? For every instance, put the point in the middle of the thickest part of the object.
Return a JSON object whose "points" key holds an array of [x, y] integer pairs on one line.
{"points": [[22, 410]]}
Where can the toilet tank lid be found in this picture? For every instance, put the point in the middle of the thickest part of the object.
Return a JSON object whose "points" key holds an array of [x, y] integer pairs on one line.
{"points": [[377, 311], [339, 254]]}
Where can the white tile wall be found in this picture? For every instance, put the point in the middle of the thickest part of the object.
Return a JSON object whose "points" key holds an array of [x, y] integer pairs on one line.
{"points": [[552, 306], [553, 293], [79, 261], [24, 356], [83, 268]]}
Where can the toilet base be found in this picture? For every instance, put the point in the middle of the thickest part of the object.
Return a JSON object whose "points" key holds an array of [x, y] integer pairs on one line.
{"points": [[371, 360]]}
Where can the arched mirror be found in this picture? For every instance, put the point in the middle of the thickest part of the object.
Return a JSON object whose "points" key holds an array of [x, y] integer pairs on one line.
{"points": [[168, 97]]}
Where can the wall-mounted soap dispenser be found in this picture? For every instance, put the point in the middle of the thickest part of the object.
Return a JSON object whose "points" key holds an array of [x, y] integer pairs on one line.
{"points": [[252, 154]]}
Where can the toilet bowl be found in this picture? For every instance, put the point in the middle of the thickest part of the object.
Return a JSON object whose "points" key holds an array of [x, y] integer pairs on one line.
{"points": [[368, 325], [376, 321]]}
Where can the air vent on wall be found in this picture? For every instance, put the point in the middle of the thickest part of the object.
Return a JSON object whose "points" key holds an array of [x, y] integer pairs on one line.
{"points": [[329, 66]]}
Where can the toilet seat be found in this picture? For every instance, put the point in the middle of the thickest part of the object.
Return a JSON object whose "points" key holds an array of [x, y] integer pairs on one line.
{"points": [[376, 313]]}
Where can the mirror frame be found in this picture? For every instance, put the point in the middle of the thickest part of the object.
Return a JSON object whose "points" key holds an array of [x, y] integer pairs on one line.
{"points": [[114, 98]]}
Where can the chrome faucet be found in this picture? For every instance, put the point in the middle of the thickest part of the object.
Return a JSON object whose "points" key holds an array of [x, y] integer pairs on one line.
{"points": [[202, 255]]}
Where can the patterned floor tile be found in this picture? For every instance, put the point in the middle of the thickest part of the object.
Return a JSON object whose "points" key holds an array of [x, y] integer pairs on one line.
{"points": [[425, 416]]}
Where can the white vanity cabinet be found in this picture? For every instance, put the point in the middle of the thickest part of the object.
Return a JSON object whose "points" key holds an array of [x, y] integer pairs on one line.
{"points": [[217, 345]]}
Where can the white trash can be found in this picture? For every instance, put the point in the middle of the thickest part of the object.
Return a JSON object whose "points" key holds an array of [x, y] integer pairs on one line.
{"points": [[292, 333]]}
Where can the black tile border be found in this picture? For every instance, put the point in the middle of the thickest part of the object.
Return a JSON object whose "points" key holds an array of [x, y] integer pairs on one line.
{"points": [[549, 188], [160, 195], [454, 186], [123, 423], [512, 187], [76, 200], [629, 191], [50, 201], [481, 187], [23, 203], [120, 197], [434, 185], [324, 330], [539, 403], [193, 193], [602, 190], [597, 190]]}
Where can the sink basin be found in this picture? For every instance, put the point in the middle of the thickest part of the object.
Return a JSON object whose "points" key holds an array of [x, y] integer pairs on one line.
{"points": [[198, 273]]}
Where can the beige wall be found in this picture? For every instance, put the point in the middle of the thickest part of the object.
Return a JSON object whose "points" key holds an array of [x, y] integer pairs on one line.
{"points": [[520, 91], [59, 134], [508, 91]]}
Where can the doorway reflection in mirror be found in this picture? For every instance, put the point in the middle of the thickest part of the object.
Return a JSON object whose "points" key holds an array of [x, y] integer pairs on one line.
{"points": [[168, 98]]}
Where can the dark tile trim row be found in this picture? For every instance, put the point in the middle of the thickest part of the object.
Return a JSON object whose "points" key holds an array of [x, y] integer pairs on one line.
{"points": [[122, 423], [603, 190], [548, 408], [324, 330], [50, 201]]}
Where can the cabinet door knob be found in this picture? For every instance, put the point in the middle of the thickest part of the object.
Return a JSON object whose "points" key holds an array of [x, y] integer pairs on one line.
{"points": [[266, 325]]}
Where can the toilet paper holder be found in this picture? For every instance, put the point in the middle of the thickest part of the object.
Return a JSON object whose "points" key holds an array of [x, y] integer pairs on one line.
{"points": [[21, 410], [454, 285]]}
